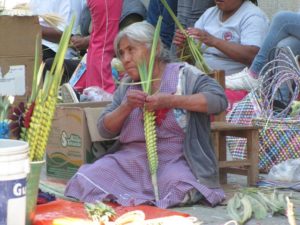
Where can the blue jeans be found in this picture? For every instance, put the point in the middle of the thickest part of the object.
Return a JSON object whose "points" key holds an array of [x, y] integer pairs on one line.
{"points": [[284, 31], [155, 9]]}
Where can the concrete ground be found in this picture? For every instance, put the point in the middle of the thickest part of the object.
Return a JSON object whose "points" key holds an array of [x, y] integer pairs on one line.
{"points": [[219, 216], [208, 215]]}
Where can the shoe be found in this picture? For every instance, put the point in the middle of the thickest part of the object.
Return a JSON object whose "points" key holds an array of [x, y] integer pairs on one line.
{"points": [[241, 81], [68, 94]]}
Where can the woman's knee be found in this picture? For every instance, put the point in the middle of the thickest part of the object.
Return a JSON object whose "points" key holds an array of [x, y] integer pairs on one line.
{"points": [[292, 42], [281, 16]]}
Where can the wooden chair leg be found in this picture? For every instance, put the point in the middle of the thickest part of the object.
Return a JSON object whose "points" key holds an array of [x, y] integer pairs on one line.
{"points": [[222, 157], [252, 155]]}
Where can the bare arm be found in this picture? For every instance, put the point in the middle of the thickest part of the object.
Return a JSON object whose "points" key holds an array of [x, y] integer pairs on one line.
{"points": [[199, 93], [240, 53], [51, 34], [114, 120], [195, 102], [237, 52]]}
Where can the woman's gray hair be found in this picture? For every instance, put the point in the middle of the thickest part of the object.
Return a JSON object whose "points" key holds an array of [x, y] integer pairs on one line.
{"points": [[143, 33]]}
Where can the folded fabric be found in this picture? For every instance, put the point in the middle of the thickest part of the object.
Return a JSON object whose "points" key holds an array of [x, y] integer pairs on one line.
{"points": [[44, 197]]}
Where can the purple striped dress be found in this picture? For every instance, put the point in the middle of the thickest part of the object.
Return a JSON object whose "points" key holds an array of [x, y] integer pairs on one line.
{"points": [[124, 176]]}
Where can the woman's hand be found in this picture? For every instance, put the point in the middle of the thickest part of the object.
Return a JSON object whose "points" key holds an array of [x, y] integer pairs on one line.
{"points": [[114, 120], [237, 52], [135, 99], [202, 36], [158, 101], [179, 38], [79, 42]]}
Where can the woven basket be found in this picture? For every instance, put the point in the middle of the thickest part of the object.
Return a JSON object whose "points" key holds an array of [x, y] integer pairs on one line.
{"points": [[279, 135], [279, 140], [242, 112]]}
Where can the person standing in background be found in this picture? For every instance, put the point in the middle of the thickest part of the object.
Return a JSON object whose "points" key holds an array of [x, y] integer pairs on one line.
{"points": [[105, 26], [155, 9], [189, 11], [51, 36], [79, 42]]}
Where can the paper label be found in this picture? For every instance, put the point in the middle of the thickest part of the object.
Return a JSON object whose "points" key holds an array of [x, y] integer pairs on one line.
{"points": [[81, 68], [12, 201], [13, 83]]}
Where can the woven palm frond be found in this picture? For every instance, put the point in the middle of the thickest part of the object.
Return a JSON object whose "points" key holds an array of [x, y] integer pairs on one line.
{"points": [[282, 70]]}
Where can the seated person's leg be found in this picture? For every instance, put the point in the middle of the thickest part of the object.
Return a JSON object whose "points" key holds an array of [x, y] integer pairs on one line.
{"points": [[47, 53], [69, 68], [132, 18], [286, 90], [292, 42]]}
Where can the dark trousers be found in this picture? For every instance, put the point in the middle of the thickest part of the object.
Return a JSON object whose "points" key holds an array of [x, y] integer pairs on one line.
{"points": [[69, 68], [47, 53]]}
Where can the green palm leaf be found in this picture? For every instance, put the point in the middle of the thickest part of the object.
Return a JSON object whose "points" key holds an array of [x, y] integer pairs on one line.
{"points": [[149, 117]]}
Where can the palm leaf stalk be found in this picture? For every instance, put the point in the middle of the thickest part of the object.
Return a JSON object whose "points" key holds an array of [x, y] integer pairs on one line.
{"points": [[149, 117], [194, 49], [45, 101]]}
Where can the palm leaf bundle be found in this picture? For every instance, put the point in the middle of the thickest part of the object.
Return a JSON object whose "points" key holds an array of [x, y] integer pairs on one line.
{"points": [[149, 117], [193, 47], [52, 19], [250, 202], [41, 106], [99, 212]]}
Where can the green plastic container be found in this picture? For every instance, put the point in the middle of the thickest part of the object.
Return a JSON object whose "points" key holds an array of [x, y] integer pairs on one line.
{"points": [[32, 189]]}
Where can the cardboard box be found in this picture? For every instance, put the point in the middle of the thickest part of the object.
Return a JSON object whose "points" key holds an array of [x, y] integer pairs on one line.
{"points": [[71, 138], [18, 40]]}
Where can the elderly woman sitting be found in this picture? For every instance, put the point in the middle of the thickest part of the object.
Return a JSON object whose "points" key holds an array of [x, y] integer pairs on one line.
{"points": [[183, 99]]}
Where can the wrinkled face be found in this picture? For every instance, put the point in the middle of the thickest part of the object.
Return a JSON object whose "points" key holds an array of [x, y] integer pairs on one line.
{"points": [[130, 55], [228, 5]]}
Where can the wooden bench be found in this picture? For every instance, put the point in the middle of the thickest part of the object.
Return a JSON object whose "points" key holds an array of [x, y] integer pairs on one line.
{"points": [[220, 129]]}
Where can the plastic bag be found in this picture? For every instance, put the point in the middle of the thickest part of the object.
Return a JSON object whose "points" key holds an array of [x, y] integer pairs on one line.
{"points": [[95, 94], [288, 171]]}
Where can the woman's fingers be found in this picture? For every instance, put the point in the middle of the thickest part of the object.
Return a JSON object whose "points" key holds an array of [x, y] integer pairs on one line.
{"points": [[136, 98], [194, 32], [157, 101], [179, 38]]}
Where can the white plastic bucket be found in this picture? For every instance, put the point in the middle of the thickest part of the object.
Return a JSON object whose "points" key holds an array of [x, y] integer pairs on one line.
{"points": [[14, 167]]}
